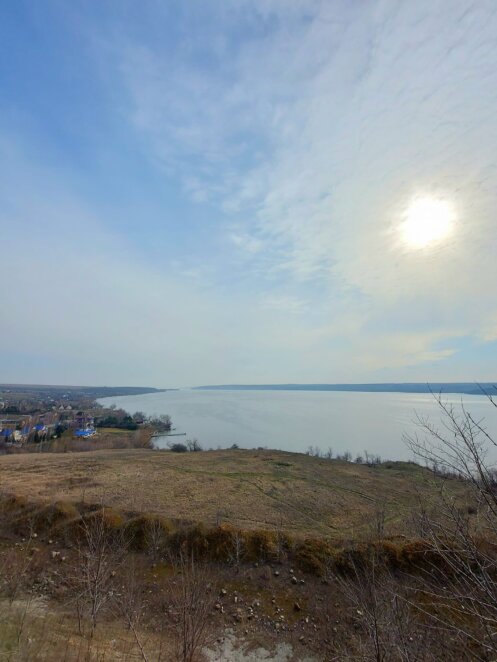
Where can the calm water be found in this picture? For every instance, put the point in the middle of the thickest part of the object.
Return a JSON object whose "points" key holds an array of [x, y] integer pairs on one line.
{"points": [[293, 420]]}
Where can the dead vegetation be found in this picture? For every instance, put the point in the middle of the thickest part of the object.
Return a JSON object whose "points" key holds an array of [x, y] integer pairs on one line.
{"points": [[166, 588], [271, 490]]}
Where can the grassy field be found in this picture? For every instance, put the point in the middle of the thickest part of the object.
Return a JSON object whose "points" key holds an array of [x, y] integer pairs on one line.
{"points": [[250, 489]]}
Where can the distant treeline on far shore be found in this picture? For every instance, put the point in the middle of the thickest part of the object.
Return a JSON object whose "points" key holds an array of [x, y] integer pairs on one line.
{"points": [[466, 388]]}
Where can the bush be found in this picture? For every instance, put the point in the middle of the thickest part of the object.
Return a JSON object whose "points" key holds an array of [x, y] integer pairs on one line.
{"points": [[312, 556], [261, 545], [178, 448], [149, 533], [220, 542]]}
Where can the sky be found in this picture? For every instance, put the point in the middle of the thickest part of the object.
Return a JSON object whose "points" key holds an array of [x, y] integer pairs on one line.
{"points": [[230, 191]]}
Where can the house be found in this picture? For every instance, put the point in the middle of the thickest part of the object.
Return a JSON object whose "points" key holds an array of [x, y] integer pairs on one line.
{"points": [[85, 432]]}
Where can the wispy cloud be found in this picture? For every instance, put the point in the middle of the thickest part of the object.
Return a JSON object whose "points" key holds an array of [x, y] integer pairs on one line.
{"points": [[299, 132], [376, 104]]}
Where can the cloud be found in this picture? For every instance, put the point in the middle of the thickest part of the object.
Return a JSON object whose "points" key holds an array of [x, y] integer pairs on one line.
{"points": [[300, 131], [288, 304], [326, 126]]}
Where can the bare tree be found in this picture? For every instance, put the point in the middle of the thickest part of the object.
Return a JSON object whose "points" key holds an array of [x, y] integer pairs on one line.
{"points": [[193, 601], [237, 550], [100, 551], [155, 537], [131, 604], [463, 533], [193, 445]]}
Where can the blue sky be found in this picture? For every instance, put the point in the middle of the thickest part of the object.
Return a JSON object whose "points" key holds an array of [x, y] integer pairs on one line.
{"points": [[215, 192]]}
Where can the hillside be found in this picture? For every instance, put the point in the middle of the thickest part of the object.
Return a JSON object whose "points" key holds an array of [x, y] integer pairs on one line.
{"points": [[251, 489], [355, 537]]}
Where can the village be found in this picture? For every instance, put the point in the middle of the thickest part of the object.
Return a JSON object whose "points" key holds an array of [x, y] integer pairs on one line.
{"points": [[32, 415]]}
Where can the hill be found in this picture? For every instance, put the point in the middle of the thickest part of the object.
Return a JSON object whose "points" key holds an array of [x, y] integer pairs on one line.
{"points": [[251, 489], [463, 388]]}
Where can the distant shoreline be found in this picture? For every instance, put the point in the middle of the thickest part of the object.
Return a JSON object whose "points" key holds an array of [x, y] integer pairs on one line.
{"points": [[462, 388]]}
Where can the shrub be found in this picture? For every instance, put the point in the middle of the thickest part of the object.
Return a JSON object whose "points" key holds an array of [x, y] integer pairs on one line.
{"points": [[190, 541], [312, 556], [178, 448], [149, 533], [112, 520], [220, 543], [261, 545]]}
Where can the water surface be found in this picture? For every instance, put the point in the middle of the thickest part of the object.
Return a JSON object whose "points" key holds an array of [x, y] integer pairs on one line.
{"points": [[294, 420]]}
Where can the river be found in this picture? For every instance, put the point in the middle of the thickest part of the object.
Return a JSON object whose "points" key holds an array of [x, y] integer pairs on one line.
{"points": [[295, 420]]}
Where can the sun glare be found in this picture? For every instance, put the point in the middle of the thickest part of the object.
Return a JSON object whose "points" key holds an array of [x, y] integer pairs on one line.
{"points": [[427, 221]]}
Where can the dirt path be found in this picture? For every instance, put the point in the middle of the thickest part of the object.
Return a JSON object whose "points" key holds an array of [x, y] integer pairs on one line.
{"points": [[235, 650]]}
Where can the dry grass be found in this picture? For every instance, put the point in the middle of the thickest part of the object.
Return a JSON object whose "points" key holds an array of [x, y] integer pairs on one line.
{"points": [[275, 490]]}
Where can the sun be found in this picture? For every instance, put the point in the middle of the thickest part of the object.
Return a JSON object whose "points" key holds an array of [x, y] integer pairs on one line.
{"points": [[427, 221]]}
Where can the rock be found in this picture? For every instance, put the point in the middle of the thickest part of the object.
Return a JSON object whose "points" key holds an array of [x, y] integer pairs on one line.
{"points": [[301, 638], [55, 554], [217, 606], [224, 591], [276, 573], [302, 581], [297, 606], [294, 580]]}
